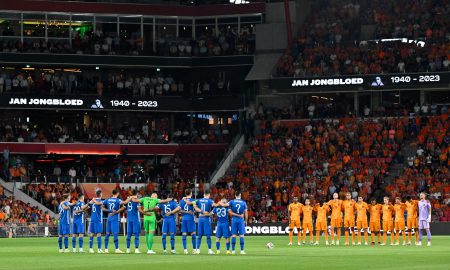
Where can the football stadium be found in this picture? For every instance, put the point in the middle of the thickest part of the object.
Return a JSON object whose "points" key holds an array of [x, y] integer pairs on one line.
{"points": [[224, 134]]}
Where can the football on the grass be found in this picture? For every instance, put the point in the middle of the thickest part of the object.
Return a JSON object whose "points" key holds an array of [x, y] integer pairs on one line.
{"points": [[270, 245]]}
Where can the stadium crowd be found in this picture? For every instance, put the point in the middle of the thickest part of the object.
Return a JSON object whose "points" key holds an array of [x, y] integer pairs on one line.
{"points": [[114, 83], [19, 217], [344, 155], [428, 169], [315, 158], [226, 42], [329, 48], [98, 133]]}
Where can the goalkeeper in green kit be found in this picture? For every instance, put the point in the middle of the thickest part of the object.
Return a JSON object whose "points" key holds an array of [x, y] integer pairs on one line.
{"points": [[149, 203]]}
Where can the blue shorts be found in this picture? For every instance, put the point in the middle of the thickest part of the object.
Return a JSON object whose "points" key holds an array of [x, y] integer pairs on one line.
{"points": [[169, 226], [237, 227], [112, 227], [188, 226], [223, 230], [78, 228], [133, 227], [64, 229], [204, 226], [96, 227]]}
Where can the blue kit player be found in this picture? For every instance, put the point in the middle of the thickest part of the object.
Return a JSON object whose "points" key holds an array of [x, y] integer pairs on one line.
{"points": [[64, 223], [239, 217], [205, 206], [223, 226], [187, 220], [168, 211], [113, 206], [134, 209], [96, 226], [78, 226]]}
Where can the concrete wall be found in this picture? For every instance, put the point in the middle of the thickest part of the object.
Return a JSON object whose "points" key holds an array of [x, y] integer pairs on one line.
{"points": [[271, 36], [275, 12]]}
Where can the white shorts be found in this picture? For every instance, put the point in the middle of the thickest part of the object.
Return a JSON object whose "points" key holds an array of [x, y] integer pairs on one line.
{"points": [[423, 224]]}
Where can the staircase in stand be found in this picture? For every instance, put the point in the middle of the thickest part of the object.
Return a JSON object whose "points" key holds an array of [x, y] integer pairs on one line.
{"points": [[19, 195]]}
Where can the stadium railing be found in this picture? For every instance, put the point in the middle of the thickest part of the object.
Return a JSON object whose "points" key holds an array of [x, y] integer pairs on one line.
{"points": [[29, 229]]}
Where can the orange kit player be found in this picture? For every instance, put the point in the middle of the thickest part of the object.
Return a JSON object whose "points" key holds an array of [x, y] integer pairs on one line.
{"points": [[388, 224], [399, 222], [321, 221], [361, 220], [349, 217], [307, 210], [294, 211], [336, 218], [411, 222], [375, 214]]}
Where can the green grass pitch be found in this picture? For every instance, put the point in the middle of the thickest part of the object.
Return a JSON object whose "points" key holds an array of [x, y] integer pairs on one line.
{"points": [[42, 253]]}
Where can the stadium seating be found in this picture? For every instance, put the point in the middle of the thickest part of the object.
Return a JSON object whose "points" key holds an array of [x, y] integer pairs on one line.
{"points": [[112, 83], [313, 159], [317, 158], [68, 132], [97, 43], [428, 169], [12, 210], [326, 47], [50, 194]]}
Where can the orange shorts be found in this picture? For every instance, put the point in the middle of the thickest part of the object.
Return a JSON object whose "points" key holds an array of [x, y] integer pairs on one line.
{"points": [[336, 222], [295, 223], [411, 223], [321, 226], [388, 225], [399, 225], [375, 226], [361, 224], [349, 223], [307, 225]]}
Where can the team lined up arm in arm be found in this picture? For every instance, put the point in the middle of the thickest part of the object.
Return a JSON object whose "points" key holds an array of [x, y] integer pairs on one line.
{"points": [[84, 208]]}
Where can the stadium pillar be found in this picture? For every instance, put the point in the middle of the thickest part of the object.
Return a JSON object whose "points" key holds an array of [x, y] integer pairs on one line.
{"points": [[422, 97], [288, 22], [375, 100], [191, 122], [356, 103]]}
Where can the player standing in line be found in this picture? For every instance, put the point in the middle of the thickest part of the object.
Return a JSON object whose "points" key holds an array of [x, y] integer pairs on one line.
{"points": [[349, 218], [375, 214], [294, 221], [399, 223], [134, 209], [78, 226], [239, 217], [113, 206], [204, 207], [149, 204], [187, 220], [307, 225], [361, 220], [96, 225], [64, 223], [424, 218], [336, 218], [388, 226], [321, 221], [222, 226], [411, 222], [168, 211]]}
